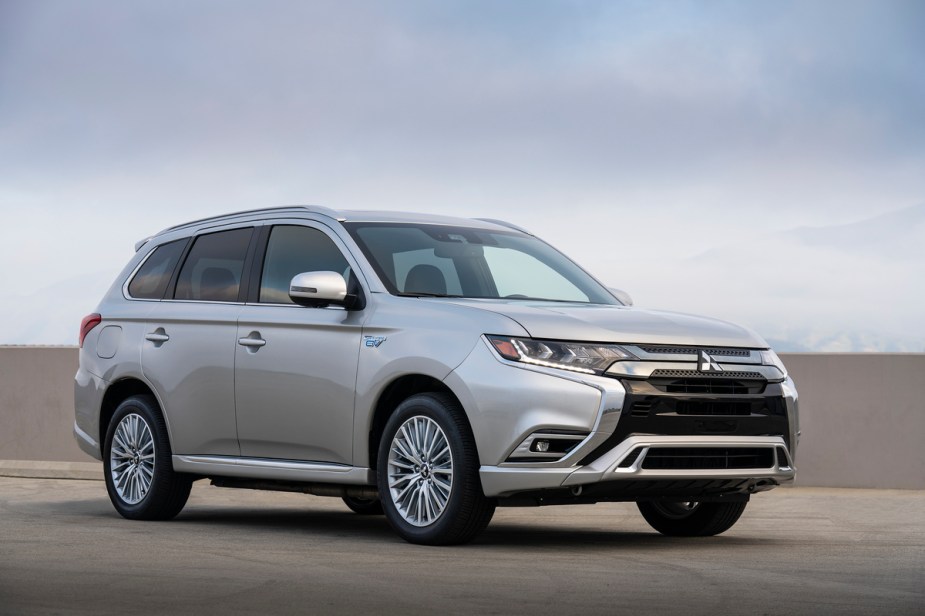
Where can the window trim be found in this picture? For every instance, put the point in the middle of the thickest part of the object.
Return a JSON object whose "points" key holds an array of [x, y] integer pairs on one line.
{"points": [[260, 254], [128, 281], [245, 266]]}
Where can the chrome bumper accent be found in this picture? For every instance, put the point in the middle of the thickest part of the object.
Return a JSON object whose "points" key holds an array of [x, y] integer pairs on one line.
{"points": [[644, 369], [502, 481]]}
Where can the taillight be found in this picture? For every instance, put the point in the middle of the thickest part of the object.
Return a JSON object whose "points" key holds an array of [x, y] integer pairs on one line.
{"points": [[90, 321]]}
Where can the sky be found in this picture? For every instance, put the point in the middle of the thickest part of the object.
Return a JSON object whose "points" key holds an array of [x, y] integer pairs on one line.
{"points": [[761, 162]]}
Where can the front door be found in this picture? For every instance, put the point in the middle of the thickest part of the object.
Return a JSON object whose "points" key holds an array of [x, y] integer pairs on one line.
{"points": [[295, 367]]}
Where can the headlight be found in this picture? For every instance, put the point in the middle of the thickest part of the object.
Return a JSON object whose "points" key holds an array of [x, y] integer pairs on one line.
{"points": [[770, 358], [586, 357]]}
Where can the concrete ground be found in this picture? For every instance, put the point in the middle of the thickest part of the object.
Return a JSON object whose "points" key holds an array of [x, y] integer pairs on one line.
{"points": [[64, 550]]}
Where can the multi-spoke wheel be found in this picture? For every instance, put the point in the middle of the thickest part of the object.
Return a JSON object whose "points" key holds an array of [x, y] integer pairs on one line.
{"points": [[690, 519], [420, 472], [428, 473], [138, 470], [131, 458]]}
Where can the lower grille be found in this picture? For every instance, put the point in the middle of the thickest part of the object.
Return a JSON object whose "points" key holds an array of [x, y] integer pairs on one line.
{"points": [[705, 458]]}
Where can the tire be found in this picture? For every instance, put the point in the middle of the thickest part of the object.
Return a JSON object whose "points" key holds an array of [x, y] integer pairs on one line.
{"points": [[137, 464], [446, 476], [691, 519], [364, 506]]}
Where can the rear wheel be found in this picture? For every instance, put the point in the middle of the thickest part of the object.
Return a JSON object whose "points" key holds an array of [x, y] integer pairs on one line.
{"points": [[690, 519], [137, 463], [363, 506], [428, 473]]}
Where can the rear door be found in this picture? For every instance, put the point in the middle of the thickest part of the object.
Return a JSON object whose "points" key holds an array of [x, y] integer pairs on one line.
{"points": [[295, 372], [189, 346]]}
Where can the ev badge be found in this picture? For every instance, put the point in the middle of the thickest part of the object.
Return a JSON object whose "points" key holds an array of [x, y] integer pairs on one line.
{"points": [[373, 341], [705, 363]]}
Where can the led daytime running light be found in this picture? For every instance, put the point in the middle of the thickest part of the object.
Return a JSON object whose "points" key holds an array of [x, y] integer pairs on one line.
{"points": [[581, 357]]}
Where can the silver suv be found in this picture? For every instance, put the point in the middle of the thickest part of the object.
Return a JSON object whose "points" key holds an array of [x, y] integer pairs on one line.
{"points": [[421, 367]]}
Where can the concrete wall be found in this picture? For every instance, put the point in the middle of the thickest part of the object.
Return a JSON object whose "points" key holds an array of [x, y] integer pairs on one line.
{"points": [[862, 415], [37, 404]]}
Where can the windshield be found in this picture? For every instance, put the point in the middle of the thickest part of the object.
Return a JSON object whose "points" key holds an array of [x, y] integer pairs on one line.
{"points": [[445, 261]]}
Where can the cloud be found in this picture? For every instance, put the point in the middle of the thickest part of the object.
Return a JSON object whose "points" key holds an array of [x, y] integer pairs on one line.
{"points": [[625, 128]]}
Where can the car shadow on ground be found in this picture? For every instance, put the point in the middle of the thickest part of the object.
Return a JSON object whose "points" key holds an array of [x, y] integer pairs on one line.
{"points": [[332, 524], [326, 524]]}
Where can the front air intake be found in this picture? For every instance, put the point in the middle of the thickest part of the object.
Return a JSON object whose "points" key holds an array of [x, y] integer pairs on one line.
{"points": [[708, 458]]}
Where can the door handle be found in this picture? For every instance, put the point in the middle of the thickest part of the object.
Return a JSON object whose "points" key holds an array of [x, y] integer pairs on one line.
{"points": [[252, 341], [158, 336]]}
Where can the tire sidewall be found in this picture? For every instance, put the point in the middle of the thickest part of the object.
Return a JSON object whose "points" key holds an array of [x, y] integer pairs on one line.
{"points": [[424, 405]]}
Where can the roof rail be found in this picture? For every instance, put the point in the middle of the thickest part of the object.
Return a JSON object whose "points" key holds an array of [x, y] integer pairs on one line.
{"points": [[317, 209], [504, 223]]}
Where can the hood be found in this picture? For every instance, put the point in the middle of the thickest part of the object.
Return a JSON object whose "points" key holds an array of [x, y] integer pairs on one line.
{"points": [[622, 324]]}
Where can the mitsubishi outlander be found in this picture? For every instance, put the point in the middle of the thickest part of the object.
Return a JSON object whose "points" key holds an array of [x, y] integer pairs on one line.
{"points": [[426, 368]]}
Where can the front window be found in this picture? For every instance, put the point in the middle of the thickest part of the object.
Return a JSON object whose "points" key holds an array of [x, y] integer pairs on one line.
{"points": [[445, 261], [294, 250]]}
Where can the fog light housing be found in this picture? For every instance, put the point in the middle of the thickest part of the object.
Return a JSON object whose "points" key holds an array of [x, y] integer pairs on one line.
{"points": [[547, 446]]}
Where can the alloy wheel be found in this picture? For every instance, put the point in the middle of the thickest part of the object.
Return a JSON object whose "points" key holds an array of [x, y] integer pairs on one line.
{"points": [[132, 459], [420, 471]]}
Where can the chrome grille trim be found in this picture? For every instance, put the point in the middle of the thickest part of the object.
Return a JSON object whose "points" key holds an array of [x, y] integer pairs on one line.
{"points": [[693, 374], [724, 352]]}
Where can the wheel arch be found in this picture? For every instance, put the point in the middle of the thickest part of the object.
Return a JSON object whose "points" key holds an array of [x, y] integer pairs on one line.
{"points": [[119, 391], [397, 391]]}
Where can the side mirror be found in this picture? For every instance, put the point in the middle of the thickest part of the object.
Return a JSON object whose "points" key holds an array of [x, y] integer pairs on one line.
{"points": [[320, 289], [622, 295]]}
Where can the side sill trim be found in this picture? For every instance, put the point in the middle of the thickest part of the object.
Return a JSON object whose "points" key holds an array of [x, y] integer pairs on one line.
{"points": [[262, 468]]}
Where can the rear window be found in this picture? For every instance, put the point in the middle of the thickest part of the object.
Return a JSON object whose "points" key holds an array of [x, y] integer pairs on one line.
{"points": [[212, 271], [152, 277]]}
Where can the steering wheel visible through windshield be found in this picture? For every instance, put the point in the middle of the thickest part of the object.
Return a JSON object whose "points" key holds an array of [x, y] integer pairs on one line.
{"points": [[424, 260]]}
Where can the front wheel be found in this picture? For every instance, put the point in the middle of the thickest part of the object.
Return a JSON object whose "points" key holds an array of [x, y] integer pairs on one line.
{"points": [[690, 519], [137, 466], [428, 473]]}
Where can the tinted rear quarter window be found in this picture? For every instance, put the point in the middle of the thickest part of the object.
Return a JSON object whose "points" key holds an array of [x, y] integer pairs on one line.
{"points": [[212, 270], [152, 277]]}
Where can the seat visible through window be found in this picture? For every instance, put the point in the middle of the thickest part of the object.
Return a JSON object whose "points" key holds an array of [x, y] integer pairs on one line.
{"points": [[425, 278], [218, 284]]}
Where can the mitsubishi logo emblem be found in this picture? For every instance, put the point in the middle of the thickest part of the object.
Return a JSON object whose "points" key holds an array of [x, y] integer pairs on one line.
{"points": [[706, 363]]}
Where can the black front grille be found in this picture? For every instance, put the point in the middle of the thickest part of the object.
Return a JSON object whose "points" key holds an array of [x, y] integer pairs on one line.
{"points": [[694, 374], [641, 408], [708, 386], [671, 350], [717, 407], [707, 458], [650, 409]]}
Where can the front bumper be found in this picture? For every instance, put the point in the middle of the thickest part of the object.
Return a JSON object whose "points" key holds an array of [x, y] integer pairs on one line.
{"points": [[673, 444], [616, 465]]}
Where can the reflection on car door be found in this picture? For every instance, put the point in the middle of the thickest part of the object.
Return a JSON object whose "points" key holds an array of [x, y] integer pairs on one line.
{"points": [[295, 367]]}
